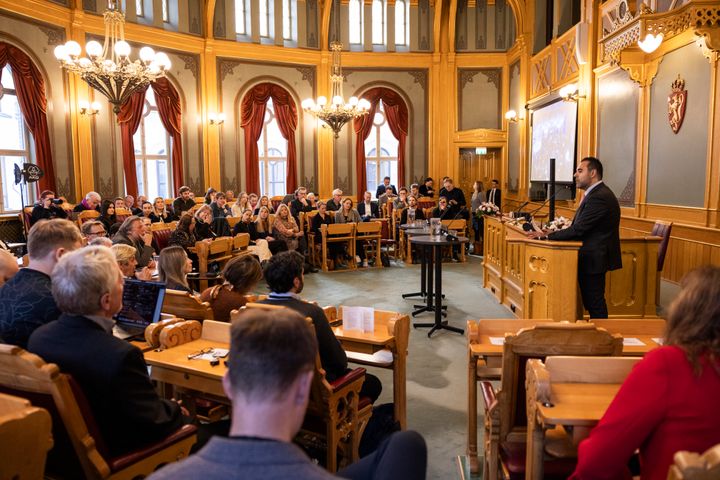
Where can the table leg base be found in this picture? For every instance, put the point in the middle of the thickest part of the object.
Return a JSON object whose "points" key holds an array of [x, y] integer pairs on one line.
{"points": [[445, 326], [417, 294], [425, 308]]}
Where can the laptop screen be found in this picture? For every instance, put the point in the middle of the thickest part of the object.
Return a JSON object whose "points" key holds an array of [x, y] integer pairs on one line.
{"points": [[142, 302]]}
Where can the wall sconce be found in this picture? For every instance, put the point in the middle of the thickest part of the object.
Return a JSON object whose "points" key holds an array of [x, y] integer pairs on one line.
{"points": [[651, 42], [88, 109], [512, 116], [570, 93], [216, 119]]}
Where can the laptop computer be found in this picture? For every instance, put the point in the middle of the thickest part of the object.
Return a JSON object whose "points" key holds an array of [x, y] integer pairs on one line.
{"points": [[142, 303]]}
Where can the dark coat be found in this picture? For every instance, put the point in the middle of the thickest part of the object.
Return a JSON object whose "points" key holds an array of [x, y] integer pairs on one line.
{"points": [[374, 211]]}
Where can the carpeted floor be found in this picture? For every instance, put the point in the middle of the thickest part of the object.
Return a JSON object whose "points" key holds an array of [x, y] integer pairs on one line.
{"points": [[437, 366]]}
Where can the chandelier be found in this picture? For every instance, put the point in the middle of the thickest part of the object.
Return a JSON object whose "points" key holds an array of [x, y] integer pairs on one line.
{"points": [[337, 113], [108, 68]]}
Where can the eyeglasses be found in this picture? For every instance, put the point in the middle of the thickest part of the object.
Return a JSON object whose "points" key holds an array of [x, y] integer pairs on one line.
{"points": [[100, 232]]}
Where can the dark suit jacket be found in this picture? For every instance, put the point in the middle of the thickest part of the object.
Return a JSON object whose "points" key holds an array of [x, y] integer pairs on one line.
{"points": [[114, 378], [144, 253], [498, 196], [596, 224], [332, 355], [381, 189], [374, 211]]}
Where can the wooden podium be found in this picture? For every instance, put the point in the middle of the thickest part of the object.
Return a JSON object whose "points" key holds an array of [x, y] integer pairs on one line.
{"points": [[537, 279]]}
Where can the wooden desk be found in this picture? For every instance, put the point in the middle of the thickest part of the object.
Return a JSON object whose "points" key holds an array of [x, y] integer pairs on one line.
{"points": [[367, 343]]}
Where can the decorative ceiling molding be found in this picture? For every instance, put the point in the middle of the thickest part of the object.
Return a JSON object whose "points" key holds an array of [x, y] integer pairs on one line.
{"points": [[55, 36], [419, 77], [191, 63], [308, 74]]}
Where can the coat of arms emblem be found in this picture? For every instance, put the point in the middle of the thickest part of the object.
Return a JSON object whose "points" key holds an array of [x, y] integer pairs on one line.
{"points": [[677, 100]]}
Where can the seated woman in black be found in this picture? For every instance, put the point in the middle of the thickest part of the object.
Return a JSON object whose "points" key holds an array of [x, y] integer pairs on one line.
{"points": [[203, 223], [264, 202], [159, 211], [336, 250], [173, 267], [442, 210], [258, 246], [107, 214], [146, 211]]}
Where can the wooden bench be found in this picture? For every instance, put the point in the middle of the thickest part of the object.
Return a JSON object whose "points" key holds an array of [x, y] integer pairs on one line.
{"points": [[25, 436], [370, 233], [337, 233], [186, 305]]}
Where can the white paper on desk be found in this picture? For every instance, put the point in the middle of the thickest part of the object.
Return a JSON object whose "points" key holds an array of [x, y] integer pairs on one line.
{"points": [[659, 341], [497, 340], [360, 319], [632, 342]]}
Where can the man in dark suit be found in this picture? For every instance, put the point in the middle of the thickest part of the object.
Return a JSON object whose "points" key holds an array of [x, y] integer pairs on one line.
{"points": [[494, 194], [269, 379], [367, 208], [300, 204], [334, 204], [383, 186], [284, 276], [132, 232], [88, 290], [597, 225]]}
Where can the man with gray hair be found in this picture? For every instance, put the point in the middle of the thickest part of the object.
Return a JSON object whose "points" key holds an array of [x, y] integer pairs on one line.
{"points": [[334, 204], [132, 232], [25, 300], [110, 371], [91, 202]]}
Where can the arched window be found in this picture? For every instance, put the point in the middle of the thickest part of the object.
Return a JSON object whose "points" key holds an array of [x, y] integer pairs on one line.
{"points": [[272, 155], [152, 152], [355, 15], [381, 159], [15, 145], [378, 22], [241, 17], [402, 27]]}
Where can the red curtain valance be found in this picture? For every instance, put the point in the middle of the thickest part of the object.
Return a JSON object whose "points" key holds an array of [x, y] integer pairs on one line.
{"points": [[396, 112], [30, 88], [252, 118]]}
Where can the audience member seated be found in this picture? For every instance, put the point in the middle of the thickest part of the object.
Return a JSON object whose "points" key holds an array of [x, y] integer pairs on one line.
{"points": [[312, 201], [26, 301], [401, 200], [90, 202], [47, 208], [241, 205], [173, 267], [241, 275], [111, 372], [125, 256], [269, 378], [258, 246], [252, 201], [263, 230], [415, 190], [442, 211], [669, 402], [383, 187], [386, 197], [284, 277], [160, 212], [119, 202], [184, 202], [456, 200], [132, 232], [220, 210], [130, 205], [146, 211], [230, 195], [337, 252], [347, 214], [426, 189], [92, 230], [107, 214], [203, 223], [368, 209], [210, 195], [299, 204], [184, 236], [286, 228], [264, 202], [8, 266], [334, 204], [412, 212], [443, 190]]}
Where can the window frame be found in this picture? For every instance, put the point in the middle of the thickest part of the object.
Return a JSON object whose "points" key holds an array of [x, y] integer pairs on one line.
{"points": [[140, 8], [382, 26], [360, 24], [265, 159], [379, 159], [244, 10], [165, 11], [405, 23], [143, 157]]}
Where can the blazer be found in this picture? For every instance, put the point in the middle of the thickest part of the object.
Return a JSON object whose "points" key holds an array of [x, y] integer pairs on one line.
{"points": [[382, 188], [374, 212], [597, 224], [144, 252], [498, 196], [114, 378], [354, 217]]}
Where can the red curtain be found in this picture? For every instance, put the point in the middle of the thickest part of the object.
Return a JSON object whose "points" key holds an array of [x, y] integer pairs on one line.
{"points": [[129, 119], [168, 103], [30, 88], [396, 113], [253, 115]]}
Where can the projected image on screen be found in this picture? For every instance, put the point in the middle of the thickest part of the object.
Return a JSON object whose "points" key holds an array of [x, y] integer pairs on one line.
{"points": [[553, 136]]}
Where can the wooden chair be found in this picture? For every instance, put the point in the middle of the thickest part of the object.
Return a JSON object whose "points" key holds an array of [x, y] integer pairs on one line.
{"points": [[692, 466], [232, 221], [186, 305], [240, 244], [313, 245], [388, 243], [79, 448], [337, 233], [563, 369], [25, 436], [393, 357], [25, 217], [370, 233], [505, 410], [86, 216], [121, 214], [161, 233], [459, 225], [335, 409], [662, 229], [426, 202], [218, 251], [276, 201]]}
